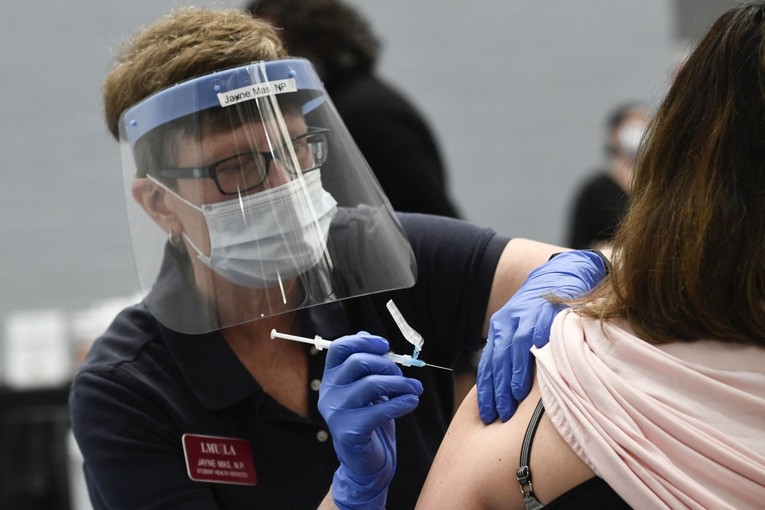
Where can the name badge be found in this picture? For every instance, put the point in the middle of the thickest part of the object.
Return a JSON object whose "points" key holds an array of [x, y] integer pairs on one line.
{"points": [[219, 459]]}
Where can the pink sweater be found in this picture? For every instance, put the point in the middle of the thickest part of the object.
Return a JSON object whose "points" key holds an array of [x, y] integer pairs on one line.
{"points": [[672, 426]]}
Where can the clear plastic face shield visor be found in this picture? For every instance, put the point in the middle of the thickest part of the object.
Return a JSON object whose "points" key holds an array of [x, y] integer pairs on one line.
{"points": [[246, 198]]}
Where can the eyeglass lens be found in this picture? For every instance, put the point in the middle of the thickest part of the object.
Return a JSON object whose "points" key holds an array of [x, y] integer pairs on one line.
{"points": [[248, 171]]}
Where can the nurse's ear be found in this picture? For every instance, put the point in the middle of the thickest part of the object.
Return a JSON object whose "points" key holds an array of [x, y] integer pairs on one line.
{"points": [[153, 200]]}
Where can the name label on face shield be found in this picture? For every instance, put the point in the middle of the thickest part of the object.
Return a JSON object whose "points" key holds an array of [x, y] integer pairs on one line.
{"points": [[250, 92]]}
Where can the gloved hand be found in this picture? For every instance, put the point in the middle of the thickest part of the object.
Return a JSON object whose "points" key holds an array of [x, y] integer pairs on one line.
{"points": [[361, 394], [505, 368]]}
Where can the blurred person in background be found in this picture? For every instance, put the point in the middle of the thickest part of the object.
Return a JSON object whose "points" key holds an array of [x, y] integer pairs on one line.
{"points": [[602, 199], [392, 135]]}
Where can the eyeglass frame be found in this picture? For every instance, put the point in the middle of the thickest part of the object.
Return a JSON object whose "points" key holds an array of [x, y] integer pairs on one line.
{"points": [[210, 171]]}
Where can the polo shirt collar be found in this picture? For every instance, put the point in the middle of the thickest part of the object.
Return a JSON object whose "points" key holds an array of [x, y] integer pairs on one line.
{"points": [[216, 375], [212, 370]]}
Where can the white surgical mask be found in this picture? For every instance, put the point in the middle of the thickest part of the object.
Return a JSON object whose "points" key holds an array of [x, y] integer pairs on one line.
{"points": [[630, 136], [261, 239]]}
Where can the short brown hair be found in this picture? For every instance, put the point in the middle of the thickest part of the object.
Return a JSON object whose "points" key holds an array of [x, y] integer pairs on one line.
{"points": [[186, 43], [690, 253]]}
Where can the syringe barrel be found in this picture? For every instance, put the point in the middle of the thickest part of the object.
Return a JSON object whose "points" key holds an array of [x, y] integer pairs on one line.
{"points": [[317, 341]]}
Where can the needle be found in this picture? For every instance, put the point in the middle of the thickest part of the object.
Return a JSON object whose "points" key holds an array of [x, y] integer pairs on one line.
{"points": [[437, 366]]}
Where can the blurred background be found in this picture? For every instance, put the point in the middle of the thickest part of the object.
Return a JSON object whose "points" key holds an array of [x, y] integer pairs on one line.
{"points": [[516, 92]]}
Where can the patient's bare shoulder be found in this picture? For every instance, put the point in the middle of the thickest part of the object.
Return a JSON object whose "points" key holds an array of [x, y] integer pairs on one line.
{"points": [[476, 464]]}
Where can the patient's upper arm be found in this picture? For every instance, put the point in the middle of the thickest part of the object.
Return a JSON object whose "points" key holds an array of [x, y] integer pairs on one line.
{"points": [[476, 463]]}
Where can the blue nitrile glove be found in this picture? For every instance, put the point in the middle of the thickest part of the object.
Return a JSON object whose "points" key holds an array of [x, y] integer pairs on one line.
{"points": [[505, 369], [361, 394]]}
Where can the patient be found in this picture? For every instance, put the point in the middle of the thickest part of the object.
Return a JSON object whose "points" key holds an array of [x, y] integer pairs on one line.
{"points": [[653, 385]]}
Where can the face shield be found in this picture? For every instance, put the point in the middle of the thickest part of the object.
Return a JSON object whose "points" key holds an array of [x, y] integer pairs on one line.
{"points": [[246, 197]]}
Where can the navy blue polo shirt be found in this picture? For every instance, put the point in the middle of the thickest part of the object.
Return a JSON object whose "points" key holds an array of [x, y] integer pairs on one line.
{"points": [[144, 386]]}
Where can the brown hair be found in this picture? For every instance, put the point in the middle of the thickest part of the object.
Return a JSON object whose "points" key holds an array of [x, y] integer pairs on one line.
{"points": [[186, 43], [690, 254]]}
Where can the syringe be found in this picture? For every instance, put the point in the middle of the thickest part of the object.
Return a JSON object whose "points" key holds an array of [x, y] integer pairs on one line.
{"points": [[320, 343]]}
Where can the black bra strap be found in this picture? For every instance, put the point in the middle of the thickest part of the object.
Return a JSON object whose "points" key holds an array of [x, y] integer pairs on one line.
{"points": [[524, 474]]}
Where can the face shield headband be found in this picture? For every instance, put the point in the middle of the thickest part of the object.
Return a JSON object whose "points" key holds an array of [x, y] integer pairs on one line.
{"points": [[247, 197]]}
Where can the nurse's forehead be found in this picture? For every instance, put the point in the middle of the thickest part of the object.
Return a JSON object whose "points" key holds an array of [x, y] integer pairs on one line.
{"points": [[234, 124], [218, 142]]}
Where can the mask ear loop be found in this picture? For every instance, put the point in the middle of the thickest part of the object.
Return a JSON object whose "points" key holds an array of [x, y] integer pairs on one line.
{"points": [[173, 238], [176, 195]]}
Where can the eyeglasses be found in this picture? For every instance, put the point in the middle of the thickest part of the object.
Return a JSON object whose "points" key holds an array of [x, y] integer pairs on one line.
{"points": [[249, 170]]}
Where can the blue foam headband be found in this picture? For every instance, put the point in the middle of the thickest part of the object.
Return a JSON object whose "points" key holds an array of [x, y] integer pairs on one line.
{"points": [[205, 92]]}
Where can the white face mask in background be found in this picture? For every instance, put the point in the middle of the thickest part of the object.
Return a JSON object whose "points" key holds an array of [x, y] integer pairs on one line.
{"points": [[261, 239], [629, 136]]}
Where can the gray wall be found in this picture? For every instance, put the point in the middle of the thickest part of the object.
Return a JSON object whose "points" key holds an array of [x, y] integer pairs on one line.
{"points": [[516, 91]]}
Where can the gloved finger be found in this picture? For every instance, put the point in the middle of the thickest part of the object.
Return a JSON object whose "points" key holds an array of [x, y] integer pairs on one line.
{"points": [[485, 381], [541, 332], [373, 389], [401, 405], [344, 346], [523, 360], [364, 455], [358, 366], [503, 363], [506, 406], [370, 418], [353, 429], [523, 369]]}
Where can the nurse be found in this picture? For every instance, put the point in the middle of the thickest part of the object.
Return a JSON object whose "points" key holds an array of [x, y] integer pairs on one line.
{"points": [[250, 209]]}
